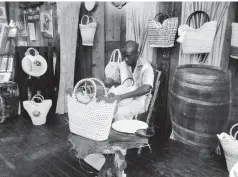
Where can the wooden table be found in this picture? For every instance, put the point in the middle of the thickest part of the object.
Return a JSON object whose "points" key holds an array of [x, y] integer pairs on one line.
{"points": [[115, 163]]}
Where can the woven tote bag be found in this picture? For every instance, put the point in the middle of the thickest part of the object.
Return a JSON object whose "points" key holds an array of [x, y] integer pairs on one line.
{"points": [[88, 117], [162, 35], [234, 41], [229, 144], [88, 30], [112, 68], [195, 41], [38, 111]]}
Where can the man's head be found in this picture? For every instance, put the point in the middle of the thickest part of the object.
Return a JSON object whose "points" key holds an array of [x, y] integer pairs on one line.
{"points": [[130, 52]]}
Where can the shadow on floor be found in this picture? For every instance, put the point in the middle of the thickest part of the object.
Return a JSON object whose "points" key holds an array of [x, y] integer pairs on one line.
{"points": [[41, 151]]}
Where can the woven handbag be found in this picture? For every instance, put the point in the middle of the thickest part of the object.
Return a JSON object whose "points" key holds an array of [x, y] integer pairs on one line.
{"points": [[162, 35], [38, 111], [234, 41], [230, 147], [88, 30], [112, 68], [195, 41], [88, 117]]}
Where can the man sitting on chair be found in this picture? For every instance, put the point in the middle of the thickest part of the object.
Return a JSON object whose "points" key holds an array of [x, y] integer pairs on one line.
{"points": [[142, 72]]}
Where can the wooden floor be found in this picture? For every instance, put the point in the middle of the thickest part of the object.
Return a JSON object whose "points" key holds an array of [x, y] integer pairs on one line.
{"points": [[42, 151]]}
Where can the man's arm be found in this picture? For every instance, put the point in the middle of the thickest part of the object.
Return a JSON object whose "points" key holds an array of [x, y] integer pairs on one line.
{"points": [[144, 89]]}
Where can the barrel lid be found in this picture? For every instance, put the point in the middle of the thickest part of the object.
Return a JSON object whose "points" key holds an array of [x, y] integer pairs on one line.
{"points": [[202, 72]]}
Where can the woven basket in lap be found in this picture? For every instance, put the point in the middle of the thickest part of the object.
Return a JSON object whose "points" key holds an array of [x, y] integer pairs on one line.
{"points": [[162, 35], [88, 31], [234, 41], [230, 147], [195, 41], [87, 117]]}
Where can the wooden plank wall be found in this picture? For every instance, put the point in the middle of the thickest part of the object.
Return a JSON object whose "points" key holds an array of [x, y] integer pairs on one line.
{"points": [[15, 13], [233, 67]]}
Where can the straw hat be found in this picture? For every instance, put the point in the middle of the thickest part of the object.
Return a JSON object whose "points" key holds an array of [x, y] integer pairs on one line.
{"points": [[34, 65]]}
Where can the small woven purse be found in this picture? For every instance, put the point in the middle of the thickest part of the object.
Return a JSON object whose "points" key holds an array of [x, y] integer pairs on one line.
{"points": [[89, 117], [162, 35], [88, 30], [230, 147], [234, 41], [195, 41], [38, 111]]}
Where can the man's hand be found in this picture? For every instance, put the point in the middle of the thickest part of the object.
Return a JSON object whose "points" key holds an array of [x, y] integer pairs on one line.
{"points": [[111, 97]]}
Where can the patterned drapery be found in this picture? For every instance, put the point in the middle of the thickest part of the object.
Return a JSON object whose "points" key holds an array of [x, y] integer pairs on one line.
{"points": [[137, 16], [217, 11]]}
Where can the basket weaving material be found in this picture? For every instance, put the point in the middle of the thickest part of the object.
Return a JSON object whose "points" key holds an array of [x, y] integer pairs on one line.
{"points": [[162, 35], [91, 119], [38, 111], [234, 41], [88, 31], [230, 146], [197, 40], [113, 65]]}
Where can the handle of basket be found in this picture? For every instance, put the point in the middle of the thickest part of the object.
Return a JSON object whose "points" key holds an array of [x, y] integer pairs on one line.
{"points": [[91, 18], [195, 13], [29, 49], [236, 134], [162, 14], [40, 97], [128, 79], [113, 56], [77, 86], [232, 130], [102, 84], [83, 18]]}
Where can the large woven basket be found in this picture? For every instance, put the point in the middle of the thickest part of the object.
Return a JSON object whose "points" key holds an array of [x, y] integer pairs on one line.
{"points": [[195, 41], [88, 117], [234, 41], [230, 147], [88, 30], [162, 35]]}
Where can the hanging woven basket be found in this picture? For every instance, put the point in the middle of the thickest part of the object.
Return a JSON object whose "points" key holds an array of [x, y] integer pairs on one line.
{"points": [[88, 30], [162, 34]]}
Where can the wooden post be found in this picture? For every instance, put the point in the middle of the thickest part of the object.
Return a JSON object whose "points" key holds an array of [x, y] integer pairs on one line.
{"points": [[98, 49]]}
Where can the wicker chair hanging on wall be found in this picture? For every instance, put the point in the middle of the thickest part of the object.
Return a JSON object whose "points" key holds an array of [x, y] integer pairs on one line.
{"points": [[234, 41], [162, 34], [200, 40]]}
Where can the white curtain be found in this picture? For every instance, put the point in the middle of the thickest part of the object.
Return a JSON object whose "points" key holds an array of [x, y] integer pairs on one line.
{"points": [[137, 16], [217, 11], [67, 13]]}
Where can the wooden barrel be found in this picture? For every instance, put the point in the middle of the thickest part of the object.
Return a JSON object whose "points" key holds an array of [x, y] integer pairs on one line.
{"points": [[199, 102]]}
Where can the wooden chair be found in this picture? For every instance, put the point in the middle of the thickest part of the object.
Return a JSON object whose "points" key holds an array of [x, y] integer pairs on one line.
{"points": [[147, 116]]}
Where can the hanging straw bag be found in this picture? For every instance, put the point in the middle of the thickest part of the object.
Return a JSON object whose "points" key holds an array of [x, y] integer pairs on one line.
{"points": [[38, 111], [199, 40], [234, 41], [230, 147], [162, 35], [88, 30], [112, 68], [87, 116]]}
